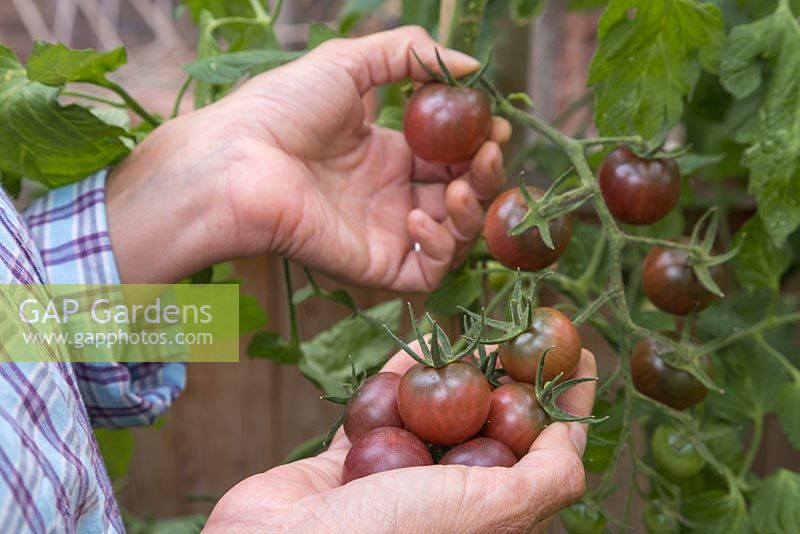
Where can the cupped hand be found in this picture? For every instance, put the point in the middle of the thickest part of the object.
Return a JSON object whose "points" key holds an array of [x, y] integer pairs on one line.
{"points": [[311, 179], [307, 496]]}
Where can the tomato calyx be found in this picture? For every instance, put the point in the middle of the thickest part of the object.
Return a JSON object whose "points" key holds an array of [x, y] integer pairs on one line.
{"points": [[445, 76], [547, 394], [438, 352], [550, 206], [520, 314]]}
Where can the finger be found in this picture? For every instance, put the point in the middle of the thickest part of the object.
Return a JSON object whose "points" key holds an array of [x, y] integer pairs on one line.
{"points": [[554, 463], [428, 171], [501, 130], [430, 198], [465, 218], [486, 173], [386, 57], [435, 251], [580, 399], [401, 362], [465, 213]]}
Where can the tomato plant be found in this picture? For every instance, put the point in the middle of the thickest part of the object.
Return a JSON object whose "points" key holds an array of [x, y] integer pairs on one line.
{"points": [[515, 417], [484, 452], [657, 521], [447, 123], [639, 190], [657, 379], [526, 251], [373, 405], [384, 449]]}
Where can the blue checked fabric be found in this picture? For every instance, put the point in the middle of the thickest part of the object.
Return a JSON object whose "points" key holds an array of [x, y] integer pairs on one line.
{"points": [[52, 478]]}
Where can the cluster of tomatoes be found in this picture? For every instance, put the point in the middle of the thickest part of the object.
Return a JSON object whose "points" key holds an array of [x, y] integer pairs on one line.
{"points": [[452, 413]]}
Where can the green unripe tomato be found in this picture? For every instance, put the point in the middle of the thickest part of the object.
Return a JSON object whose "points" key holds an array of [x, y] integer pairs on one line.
{"points": [[498, 275], [674, 453], [656, 521], [580, 519]]}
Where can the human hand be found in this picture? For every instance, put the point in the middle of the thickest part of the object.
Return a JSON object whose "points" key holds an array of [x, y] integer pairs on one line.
{"points": [[287, 164], [307, 495]]}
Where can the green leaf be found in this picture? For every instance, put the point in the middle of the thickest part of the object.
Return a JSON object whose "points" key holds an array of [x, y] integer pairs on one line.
{"points": [[251, 314], [522, 11], [325, 357], [239, 36], [775, 503], [116, 448], [773, 132], [586, 4], [459, 289], [45, 141], [577, 256], [55, 64], [318, 33], [649, 58], [749, 383], [717, 512], [269, 345], [690, 163], [392, 117], [788, 413], [422, 12], [230, 67], [760, 264], [11, 182], [353, 11]]}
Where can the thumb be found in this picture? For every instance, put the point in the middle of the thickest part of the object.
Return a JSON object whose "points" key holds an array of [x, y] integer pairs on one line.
{"points": [[387, 57]]}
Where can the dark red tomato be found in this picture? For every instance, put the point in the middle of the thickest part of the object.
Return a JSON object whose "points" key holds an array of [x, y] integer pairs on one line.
{"points": [[526, 251], [639, 190], [670, 283], [445, 405], [520, 356], [445, 123], [482, 452], [373, 405], [384, 449], [515, 417], [655, 378]]}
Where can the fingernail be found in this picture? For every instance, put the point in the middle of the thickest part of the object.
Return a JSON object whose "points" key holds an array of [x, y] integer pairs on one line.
{"points": [[466, 59], [577, 434]]}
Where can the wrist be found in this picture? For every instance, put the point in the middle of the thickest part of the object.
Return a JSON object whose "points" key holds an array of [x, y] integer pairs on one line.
{"points": [[162, 215]]}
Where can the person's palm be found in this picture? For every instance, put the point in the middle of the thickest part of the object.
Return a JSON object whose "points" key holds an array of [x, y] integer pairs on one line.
{"points": [[347, 197]]}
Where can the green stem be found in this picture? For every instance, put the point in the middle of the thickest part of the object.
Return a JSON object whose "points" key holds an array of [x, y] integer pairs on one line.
{"points": [[465, 25], [618, 140], [779, 357], [766, 324], [276, 10], [755, 443], [592, 307], [131, 103], [176, 106], [258, 10], [294, 333], [95, 98]]}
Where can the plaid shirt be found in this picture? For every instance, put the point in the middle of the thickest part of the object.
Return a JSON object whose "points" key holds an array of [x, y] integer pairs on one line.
{"points": [[52, 477]]}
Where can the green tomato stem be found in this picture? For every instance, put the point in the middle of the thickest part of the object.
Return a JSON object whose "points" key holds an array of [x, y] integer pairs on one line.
{"points": [[132, 103], [465, 25]]}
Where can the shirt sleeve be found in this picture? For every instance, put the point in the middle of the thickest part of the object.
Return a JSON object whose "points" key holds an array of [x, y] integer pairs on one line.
{"points": [[70, 229]]}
